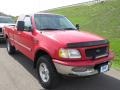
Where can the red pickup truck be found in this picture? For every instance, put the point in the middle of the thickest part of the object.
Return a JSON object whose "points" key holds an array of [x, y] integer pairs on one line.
{"points": [[57, 47]]}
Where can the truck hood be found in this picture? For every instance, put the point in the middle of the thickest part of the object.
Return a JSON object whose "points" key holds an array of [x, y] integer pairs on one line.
{"points": [[65, 37], [6, 24]]}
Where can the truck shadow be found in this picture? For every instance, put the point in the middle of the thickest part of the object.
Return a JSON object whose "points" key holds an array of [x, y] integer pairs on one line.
{"points": [[2, 45], [100, 82]]}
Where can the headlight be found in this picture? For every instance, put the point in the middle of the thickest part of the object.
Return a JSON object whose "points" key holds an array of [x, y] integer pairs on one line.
{"points": [[69, 53]]}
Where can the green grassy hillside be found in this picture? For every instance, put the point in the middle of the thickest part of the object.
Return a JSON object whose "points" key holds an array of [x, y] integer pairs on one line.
{"points": [[102, 19]]}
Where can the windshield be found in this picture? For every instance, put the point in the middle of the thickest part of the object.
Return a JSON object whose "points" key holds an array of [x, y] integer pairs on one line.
{"points": [[6, 20], [53, 22]]}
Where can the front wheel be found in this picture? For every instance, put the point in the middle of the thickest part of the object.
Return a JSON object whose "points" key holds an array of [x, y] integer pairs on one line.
{"points": [[10, 48], [47, 73]]}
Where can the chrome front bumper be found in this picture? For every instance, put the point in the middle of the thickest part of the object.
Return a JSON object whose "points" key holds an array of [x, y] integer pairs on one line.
{"points": [[76, 71]]}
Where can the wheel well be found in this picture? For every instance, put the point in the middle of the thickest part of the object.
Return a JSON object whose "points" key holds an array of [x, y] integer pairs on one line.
{"points": [[38, 54], [6, 36]]}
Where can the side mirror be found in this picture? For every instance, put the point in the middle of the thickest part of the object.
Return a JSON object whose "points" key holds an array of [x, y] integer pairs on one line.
{"points": [[20, 25], [77, 26]]}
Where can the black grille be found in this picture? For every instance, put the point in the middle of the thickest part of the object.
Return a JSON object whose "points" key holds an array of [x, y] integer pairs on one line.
{"points": [[0, 29], [96, 53]]}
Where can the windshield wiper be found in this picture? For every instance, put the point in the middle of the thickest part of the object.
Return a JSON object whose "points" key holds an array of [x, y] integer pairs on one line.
{"points": [[49, 29], [58, 29], [69, 29]]}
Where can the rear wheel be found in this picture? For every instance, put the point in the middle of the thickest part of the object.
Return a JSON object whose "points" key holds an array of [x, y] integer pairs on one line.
{"points": [[10, 48], [47, 73]]}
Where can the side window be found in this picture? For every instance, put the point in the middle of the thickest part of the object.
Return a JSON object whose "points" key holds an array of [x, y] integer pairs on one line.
{"points": [[28, 24]]}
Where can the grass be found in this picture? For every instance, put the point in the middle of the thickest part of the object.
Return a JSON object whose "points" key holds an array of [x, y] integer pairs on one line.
{"points": [[102, 19]]}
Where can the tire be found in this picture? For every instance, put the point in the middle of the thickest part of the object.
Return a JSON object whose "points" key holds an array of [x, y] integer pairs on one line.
{"points": [[47, 73], [10, 48]]}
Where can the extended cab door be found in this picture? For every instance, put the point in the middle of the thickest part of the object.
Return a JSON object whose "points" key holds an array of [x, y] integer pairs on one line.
{"points": [[24, 39]]}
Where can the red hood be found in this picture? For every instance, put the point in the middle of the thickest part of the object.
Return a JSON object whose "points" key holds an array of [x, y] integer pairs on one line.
{"points": [[65, 37]]}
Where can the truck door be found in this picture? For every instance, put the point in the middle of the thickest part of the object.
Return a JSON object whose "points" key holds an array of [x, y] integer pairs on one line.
{"points": [[25, 38]]}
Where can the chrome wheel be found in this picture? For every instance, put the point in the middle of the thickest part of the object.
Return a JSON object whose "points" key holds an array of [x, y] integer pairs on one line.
{"points": [[8, 46], [47, 73], [44, 72]]}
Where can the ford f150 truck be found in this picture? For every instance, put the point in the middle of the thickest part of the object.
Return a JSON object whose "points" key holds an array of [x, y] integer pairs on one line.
{"points": [[5, 20], [57, 47]]}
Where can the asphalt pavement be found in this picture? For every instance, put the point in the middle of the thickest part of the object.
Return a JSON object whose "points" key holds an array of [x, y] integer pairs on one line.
{"points": [[17, 73]]}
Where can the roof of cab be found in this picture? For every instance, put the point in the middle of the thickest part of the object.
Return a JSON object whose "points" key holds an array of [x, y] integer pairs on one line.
{"points": [[40, 14], [48, 14], [21, 17]]}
